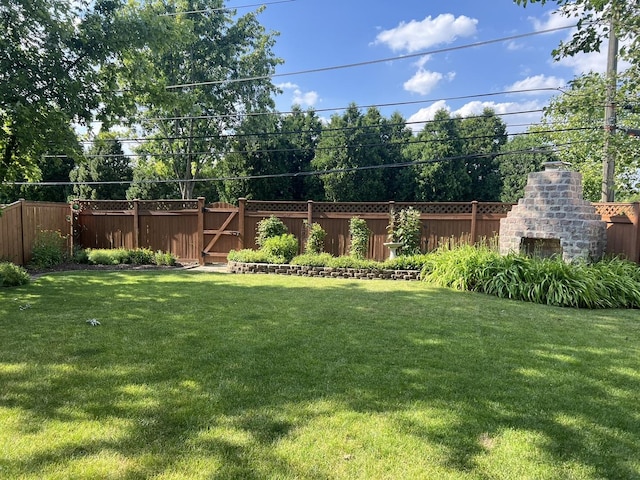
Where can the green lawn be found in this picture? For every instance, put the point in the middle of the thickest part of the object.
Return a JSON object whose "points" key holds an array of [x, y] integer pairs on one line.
{"points": [[199, 375]]}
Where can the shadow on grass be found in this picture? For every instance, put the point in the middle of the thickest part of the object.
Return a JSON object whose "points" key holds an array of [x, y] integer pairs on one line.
{"points": [[226, 367]]}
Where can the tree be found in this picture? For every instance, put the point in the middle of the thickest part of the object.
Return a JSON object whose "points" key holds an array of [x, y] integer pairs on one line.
{"points": [[51, 168], [573, 122], [105, 162], [51, 53], [192, 85], [352, 142], [443, 176], [482, 137], [594, 20], [522, 154], [272, 145]]}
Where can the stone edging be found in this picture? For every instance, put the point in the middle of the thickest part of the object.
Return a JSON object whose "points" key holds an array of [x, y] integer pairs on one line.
{"points": [[307, 271]]}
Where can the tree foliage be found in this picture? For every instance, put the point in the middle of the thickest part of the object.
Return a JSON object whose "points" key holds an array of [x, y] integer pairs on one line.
{"points": [[51, 53], [105, 162], [190, 84]]}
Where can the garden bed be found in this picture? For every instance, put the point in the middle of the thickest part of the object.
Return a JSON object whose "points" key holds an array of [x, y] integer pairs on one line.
{"points": [[331, 272]]}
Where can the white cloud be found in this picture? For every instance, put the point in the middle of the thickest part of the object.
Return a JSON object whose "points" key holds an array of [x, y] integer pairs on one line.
{"points": [[418, 35], [423, 81], [426, 114], [555, 19], [537, 82], [287, 86], [521, 114], [305, 99]]}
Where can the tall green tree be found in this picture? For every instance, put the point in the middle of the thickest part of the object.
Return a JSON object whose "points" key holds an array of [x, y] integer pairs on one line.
{"points": [[192, 85], [442, 176], [278, 145], [105, 162], [353, 142], [573, 122], [593, 20], [482, 138], [51, 58]]}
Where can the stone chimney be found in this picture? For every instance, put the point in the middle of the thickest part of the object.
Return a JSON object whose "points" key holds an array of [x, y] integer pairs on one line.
{"points": [[554, 219]]}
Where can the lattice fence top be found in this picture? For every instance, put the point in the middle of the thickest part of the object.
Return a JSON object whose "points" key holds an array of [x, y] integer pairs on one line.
{"points": [[379, 207], [615, 209], [117, 205], [260, 206]]}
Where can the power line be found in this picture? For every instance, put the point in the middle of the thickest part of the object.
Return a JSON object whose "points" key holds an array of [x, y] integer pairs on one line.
{"points": [[369, 62], [223, 9], [315, 148], [375, 105], [549, 150]]}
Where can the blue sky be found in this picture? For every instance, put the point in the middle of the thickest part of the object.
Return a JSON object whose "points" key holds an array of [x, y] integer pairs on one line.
{"points": [[316, 34]]}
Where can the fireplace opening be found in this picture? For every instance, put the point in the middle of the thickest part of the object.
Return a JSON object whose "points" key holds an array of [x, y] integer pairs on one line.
{"points": [[541, 247]]}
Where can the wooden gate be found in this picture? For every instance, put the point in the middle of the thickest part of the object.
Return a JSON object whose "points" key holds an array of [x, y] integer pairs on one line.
{"points": [[220, 231]]}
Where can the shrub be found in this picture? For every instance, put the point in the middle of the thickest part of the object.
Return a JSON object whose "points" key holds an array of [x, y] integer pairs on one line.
{"points": [[104, 256], [143, 256], [312, 259], [163, 258], [406, 262], [268, 228], [12, 275], [80, 255], [282, 248], [606, 284], [48, 249], [315, 238], [408, 231], [249, 256], [359, 233]]}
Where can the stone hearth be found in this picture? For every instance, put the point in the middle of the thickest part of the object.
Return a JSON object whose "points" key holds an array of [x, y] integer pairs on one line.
{"points": [[553, 212]]}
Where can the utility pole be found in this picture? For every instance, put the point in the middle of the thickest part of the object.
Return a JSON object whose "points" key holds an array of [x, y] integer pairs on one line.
{"points": [[609, 160]]}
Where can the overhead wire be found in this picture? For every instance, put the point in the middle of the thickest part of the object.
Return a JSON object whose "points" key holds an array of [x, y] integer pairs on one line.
{"points": [[547, 150], [370, 62]]}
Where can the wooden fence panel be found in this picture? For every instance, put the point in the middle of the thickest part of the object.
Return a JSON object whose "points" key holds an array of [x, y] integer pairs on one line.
{"points": [[11, 247], [623, 228], [170, 232], [21, 222]]}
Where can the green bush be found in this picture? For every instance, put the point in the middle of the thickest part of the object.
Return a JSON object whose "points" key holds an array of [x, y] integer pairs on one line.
{"points": [[408, 231], [249, 256], [359, 233], [163, 258], [315, 238], [104, 256], [312, 259], [12, 275], [282, 248], [142, 256], [48, 249], [268, 228], [606, 284], [80, 255]]}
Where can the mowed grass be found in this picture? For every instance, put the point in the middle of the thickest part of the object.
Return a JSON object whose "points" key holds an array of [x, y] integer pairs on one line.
{"points": [[213, 376]]}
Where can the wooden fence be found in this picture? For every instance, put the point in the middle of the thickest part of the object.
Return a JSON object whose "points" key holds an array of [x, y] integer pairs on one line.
{"points": [[195, 231], [22, 221]]}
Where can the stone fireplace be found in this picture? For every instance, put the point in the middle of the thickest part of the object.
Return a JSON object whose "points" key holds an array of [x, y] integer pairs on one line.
{"points": [[553, 218]]}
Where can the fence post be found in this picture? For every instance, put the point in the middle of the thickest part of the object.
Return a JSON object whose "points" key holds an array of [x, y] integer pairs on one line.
{"points": [[241, 209], [23, 255], [200, 239], [136, 224], [636, 211], [474, 215]]}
